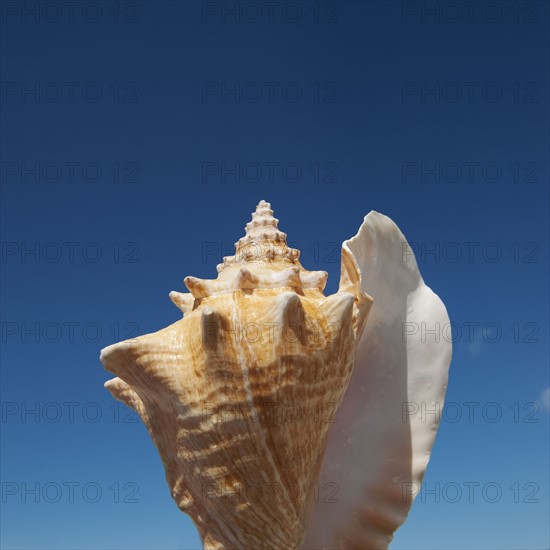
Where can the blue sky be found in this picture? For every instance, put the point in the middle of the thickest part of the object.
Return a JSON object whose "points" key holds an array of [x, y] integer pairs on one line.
{"points": [[137, 138]]}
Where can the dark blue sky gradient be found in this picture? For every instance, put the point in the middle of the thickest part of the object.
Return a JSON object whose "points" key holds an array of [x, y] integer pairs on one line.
{"points": [[365, 134]]}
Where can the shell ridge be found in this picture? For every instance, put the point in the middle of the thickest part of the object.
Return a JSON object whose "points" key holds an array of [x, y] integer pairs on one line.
{"points": [[261, 430]]}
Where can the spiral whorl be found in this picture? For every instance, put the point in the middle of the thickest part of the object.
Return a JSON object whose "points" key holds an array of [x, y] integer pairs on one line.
{"points": [[263, 241]]}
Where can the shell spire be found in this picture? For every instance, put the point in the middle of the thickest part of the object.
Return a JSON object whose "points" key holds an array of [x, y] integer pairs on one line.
{"points": [[263, 227], [262, 261], [263, 241]]}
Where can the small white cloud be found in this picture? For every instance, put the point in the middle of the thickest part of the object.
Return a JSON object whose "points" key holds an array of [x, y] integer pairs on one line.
{"points": [[476, 343], [545, 398], [475, 347]]}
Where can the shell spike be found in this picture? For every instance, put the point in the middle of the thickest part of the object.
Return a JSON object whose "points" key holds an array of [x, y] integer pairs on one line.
{"points": [[183, 300], [120, 359], [314, 279], [197, 287], [290, 305], [245, 280], [339, 307], [290, 315], [123, 392]]}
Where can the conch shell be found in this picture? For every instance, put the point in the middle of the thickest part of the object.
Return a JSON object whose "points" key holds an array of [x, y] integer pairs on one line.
{"points": [[240, 395]]}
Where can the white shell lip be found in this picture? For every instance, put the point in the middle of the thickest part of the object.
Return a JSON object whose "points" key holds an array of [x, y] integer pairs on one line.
{"points": [[378, 452]]}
